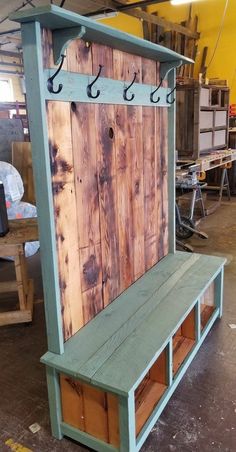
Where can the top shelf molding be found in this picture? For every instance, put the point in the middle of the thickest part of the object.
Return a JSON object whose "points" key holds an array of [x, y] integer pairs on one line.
{"points": [[56, 18]]}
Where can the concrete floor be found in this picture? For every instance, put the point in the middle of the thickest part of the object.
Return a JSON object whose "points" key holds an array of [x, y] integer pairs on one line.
{"points": [[201, 416]]}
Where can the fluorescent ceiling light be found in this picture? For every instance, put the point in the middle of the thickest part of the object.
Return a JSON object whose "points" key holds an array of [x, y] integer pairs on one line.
{"points": [[104, 15], [181, 2]]}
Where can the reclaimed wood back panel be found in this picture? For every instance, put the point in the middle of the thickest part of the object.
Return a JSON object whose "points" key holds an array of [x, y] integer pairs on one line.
{"points": [[109, 181]]}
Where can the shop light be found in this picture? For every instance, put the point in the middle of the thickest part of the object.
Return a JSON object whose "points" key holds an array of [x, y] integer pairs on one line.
{"points": [[181, 2]]}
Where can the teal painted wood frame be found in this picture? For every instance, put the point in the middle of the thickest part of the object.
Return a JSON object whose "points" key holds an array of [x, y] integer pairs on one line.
{"points": [[33, 62], [36, 89], [171, 164], [111, 91], [53, 386], [219, 286], [129, 442], [56, 18]]}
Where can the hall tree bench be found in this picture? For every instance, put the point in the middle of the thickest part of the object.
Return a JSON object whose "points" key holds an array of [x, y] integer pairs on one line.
{"points": [[125, 312]]}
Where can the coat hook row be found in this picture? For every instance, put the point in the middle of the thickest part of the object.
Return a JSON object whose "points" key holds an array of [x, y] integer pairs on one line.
{"points": [[127, 95]]}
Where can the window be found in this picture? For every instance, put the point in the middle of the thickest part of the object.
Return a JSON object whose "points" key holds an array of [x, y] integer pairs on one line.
{"points": [[6, 91]]}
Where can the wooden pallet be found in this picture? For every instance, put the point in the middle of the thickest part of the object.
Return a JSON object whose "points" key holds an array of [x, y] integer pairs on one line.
{"points": [[216, 159]]}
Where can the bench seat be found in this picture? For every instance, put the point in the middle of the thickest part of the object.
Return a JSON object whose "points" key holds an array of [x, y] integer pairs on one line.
{"points": [[139, 347]]}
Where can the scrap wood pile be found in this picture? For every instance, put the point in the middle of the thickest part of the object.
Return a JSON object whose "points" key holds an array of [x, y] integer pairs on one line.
{"points": [[176, 40]]}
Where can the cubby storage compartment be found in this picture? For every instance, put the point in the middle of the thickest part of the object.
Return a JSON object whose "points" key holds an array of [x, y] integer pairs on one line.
{"points": [[205, 141], [151, 389], [220, 138], [220, 118], [224, 98], [90, 410], [207, 305], [206, 119], [215, 97], [184, 340], [204, 97]]}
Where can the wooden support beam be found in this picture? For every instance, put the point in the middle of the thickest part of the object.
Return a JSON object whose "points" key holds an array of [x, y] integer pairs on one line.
{"points": [[162, 22], [143, 15]]}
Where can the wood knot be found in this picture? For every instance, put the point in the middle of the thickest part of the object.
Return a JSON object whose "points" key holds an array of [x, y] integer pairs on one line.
{"points": [[91, 271]]}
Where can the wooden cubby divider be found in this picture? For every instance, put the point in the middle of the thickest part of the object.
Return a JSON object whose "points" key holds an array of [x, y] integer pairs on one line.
{"points": [[151, 389], [207, 305], [184, 340]]}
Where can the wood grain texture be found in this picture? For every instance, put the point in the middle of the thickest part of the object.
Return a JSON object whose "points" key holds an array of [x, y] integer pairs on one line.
{"points": [[113, 419], [188, 326], [90, 410], [150, 170], [108, 175], [79, 57], [63, 184], [107, 186], [164, 172], [72, 402]]}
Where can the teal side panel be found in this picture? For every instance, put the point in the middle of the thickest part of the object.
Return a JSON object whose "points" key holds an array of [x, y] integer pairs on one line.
{"points": [[31, 36], [127, 423], [219, 286], [54, 398], [171, 164]]}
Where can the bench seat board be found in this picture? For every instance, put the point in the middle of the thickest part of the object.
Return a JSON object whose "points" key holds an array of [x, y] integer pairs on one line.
{"points": [[141, 320]]}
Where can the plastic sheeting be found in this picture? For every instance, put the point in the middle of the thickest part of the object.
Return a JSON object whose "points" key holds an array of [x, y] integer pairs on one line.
{"points": [[14, 191]]}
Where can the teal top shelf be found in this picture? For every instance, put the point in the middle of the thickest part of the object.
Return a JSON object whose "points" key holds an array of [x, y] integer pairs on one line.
{"points": [[56, 18]]}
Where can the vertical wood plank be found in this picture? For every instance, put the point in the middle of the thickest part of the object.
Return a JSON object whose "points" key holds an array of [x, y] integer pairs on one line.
{"points": [[113, 419], [164, 172], [124, 67], [106, 156], [95, 412], [72, 402], [150, 163], [106, 173], [21, 276], [158, 371], [63, 179], [188, 325], [79, 57], [135, 147]]}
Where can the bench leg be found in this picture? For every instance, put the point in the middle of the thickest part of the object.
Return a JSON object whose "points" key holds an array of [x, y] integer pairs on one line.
{"points": [[127, 424], [21, 277], [219, 285], [54, 402]]}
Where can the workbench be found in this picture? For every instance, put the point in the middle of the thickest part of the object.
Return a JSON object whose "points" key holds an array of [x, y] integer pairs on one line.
{"points": [[12, 245]]}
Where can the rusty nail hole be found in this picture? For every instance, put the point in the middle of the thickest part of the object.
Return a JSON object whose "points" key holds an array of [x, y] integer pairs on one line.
{"points": [[111, 133], [73, 106]]}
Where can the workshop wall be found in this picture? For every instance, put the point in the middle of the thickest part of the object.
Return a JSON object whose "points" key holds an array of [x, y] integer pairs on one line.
{"points": [[210, 14]]}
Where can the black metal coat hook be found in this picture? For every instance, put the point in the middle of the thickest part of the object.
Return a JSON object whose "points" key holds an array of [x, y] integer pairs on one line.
{"points": [[127, 89], [50, 80], [169, 95], [154, 92], [89, 87]]}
